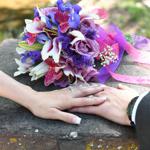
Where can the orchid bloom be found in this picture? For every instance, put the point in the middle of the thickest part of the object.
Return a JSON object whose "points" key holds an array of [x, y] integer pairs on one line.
{"points": [[70, 72], [52, 50], [52, 75], [34, 27], [69, 69]]}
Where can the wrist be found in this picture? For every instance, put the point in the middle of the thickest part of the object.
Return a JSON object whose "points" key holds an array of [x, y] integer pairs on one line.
{"points": [[126, 121], [13, 90], [130, 110], [26, 97]]}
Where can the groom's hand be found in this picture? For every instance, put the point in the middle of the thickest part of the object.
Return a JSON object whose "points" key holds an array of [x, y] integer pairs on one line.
{"points": [[115, 107]]}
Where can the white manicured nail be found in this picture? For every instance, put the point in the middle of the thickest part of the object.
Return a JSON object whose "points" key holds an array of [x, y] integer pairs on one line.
{"points": [[77, 120], [103, 98]]}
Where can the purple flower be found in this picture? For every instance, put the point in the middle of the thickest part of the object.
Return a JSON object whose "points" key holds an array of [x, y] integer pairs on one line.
{"points": [[86, 47], [74, 20], [52, 18], [70, 70], [48, 23], [77, 8], [36, 13], [81, 61], [50, 12], [68, 7], [73, 10], [42, 38], [65, 40], [31, 57], [62, 82], [88, 28], [64, 7]]}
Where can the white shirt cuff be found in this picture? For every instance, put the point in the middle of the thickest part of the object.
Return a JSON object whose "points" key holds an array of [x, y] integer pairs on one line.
{"points": [[140, 98]]}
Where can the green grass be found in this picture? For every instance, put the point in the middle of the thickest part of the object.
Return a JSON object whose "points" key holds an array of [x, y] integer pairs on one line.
{"points": [[135, 13]]}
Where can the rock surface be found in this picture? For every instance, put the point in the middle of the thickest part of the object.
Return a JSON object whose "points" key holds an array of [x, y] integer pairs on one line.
{"points": [[20, 130]]}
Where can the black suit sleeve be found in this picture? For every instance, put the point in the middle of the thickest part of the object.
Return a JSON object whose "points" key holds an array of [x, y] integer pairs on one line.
{"points": [[143, 123]]}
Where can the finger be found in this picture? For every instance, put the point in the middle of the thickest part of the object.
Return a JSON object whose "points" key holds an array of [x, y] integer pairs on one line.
{"points": [[68, 117], [123, 87], [88, 91], [102, 94], [88, 101], [87, 110]]}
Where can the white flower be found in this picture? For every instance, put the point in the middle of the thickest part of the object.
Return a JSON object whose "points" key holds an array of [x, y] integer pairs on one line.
{"points": [[46, 48], [20, 50], [22, 68], [34, 26], [39, 71]]}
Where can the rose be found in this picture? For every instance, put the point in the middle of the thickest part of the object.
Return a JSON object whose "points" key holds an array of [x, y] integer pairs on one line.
{"points": [[86, 47]]}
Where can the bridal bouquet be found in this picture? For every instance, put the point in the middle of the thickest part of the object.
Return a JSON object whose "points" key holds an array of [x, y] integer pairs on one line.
{"points": [[64, 44]]}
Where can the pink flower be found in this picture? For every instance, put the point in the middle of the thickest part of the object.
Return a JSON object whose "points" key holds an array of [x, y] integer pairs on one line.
{"points": [[62, 18], [51, 76], [31, 38]]}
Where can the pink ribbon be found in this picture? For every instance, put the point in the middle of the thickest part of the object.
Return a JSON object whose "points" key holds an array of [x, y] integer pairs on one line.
{"points": [[142, 57], [138, 56], [130, 79]]}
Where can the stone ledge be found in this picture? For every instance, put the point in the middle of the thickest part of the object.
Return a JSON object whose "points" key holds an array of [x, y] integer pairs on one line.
{"points": [[18, 123]]}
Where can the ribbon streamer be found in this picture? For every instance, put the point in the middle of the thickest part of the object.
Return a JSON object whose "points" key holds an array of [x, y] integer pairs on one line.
{"points": [[142, 57], [130, 79]]}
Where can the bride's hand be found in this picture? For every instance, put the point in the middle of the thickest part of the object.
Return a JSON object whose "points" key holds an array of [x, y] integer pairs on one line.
{"points": [[49, 105]]}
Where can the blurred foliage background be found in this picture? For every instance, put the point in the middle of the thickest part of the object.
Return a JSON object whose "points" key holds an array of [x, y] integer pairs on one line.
{"points": [[132, 16]]}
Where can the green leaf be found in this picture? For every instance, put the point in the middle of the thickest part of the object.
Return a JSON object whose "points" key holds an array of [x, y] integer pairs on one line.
{"points": [[129, 38], [35, 46]]}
